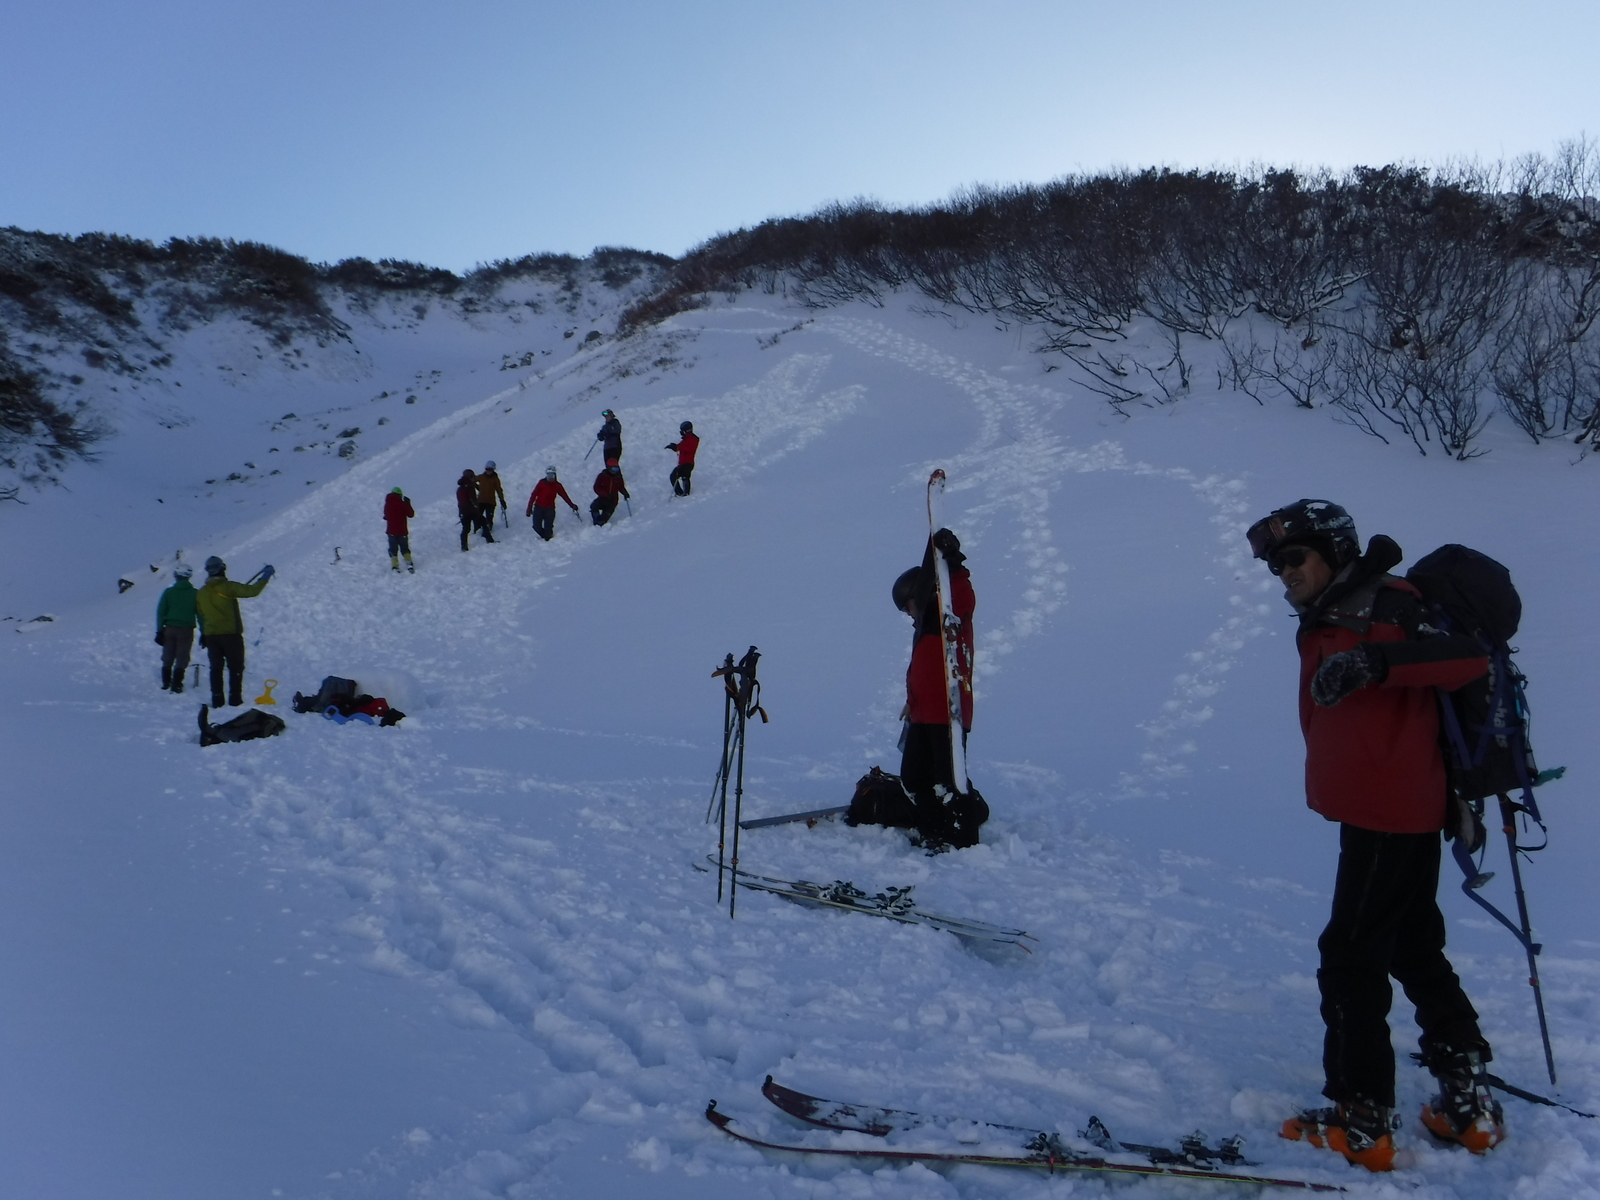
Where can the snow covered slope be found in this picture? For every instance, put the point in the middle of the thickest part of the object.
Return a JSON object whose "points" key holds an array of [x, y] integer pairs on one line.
{"points": [[469, 957]]}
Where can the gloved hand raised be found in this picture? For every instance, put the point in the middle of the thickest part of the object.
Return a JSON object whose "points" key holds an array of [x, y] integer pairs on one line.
{"points": [[947, 544], [1340, 674], [268, 571]]}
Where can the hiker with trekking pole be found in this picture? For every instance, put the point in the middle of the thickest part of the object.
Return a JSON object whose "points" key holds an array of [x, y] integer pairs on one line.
{"points": [[610, 437], [542, 504], [1371, 668], [222, 627], [490, 491]]}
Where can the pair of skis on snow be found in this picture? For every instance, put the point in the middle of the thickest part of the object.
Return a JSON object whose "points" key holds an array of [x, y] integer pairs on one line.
{"points": [[895, 903], [981, 1142]]}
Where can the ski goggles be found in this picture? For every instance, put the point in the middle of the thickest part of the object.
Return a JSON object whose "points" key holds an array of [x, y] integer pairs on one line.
{"points": [[1265, 534]]}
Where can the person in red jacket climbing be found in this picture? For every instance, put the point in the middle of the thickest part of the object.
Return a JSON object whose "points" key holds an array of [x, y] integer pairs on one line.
{"points": [[608, 485], [949, 811], [1370, 666], [542, 504], [397, 511], [468, 509], [686, 445]]}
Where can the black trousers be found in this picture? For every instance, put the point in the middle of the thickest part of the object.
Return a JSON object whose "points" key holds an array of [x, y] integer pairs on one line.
{"points": [[680, 478], [924, 762], [176, 643], [469, 518], [226, 649], [544, 522], [485, 521], [602, 507], [1386, 922]]}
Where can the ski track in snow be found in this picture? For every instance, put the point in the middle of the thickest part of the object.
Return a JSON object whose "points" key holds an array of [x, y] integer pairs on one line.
{"points": [[598, 947], [1017, 462]]}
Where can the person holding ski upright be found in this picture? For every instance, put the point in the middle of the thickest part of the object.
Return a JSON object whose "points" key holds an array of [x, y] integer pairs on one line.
{"points": [[949, 811], [608, 485], [686, 445], [397, 511], [542, 504], [175, 618], [610, 439], [468, 508], [490, 492], [222, 628], [1370, 670]]}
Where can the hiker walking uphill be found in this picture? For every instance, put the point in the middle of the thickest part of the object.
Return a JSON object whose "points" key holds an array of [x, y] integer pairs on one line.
{"points": [[686, 445], [175, 618], [469, 510], [949, 811], [608, 485], [610, 439], [397, 512], [1370, 670], [222, 628], [542, 504], [489, 492]]}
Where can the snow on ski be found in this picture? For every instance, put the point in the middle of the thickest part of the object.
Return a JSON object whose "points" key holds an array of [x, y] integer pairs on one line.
{"points": [[894, 903], [881, 1122], [1045, 1158], [949, 637]]}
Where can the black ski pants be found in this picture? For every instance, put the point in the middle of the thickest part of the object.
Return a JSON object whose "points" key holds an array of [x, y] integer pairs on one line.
{"points": [[176, 643], [485, 521], [924, 762], [226, 649], [680, 478], [1386, 922], [544, 521], [602, 507], [469, 518]]}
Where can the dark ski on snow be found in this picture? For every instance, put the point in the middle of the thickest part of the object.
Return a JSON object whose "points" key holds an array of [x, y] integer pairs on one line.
{"points": [[810, 818], [1050, 1158]]}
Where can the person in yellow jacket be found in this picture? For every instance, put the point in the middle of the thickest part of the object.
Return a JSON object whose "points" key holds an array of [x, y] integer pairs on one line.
{"points": [[222, 628]]}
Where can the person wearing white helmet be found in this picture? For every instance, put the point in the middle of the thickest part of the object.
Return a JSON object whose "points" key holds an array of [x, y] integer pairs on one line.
{"points": [[175, 618], [542, 504]]}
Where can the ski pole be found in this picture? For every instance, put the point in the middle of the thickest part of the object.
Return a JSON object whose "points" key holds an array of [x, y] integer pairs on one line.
{"points": [[749, 691], [1508, 815], [592, 445], [722, 767], [629, 503]]}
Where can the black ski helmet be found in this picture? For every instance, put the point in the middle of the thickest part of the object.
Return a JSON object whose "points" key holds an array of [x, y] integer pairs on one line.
{"points": [[905, 587], [215, 566], [1320, 524], [686, 427]]}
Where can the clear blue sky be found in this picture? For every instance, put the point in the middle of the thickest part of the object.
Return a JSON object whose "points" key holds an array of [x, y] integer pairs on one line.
{"points": [[459, 131]]}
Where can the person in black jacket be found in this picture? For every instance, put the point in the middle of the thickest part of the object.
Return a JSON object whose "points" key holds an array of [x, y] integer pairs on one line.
{"points": [[610, 439]]}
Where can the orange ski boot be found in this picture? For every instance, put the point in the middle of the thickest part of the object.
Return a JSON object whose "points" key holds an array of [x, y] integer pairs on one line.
{"points": [[1465, 1110], [1363, 1133]]}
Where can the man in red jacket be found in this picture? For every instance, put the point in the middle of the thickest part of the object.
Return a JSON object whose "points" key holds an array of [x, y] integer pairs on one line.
{"points": [[949, 811], [397, 512], [686, 445], [1370, 667], [542, 504]]}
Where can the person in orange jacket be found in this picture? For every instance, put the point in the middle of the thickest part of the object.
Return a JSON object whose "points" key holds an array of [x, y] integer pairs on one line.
{"points": [[490, 491], [608, 485], [542, 504]]}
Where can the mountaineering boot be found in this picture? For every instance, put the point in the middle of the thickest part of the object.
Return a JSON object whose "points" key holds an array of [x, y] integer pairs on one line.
{"points": [[1362, 1132], [394, 563], [1465, 1110], [411, 566]]}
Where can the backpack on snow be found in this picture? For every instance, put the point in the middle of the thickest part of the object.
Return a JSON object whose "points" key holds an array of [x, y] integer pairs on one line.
{"points": [[244, 727], [333, 688], [881, 799]]}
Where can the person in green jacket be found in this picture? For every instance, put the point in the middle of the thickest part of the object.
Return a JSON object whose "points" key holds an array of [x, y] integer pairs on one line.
{"points": [[221, 627], [175, 627]]}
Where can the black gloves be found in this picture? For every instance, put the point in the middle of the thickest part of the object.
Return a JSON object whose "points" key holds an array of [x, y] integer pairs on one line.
{"points": [[1343, 673], [947, 544], [159, 642]]}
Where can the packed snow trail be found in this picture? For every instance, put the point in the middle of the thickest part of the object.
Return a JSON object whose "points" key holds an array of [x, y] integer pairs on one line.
{"points": [[513, 862]]}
